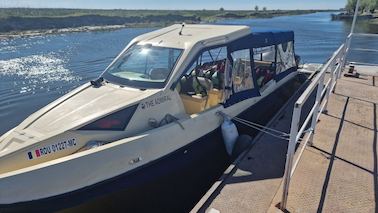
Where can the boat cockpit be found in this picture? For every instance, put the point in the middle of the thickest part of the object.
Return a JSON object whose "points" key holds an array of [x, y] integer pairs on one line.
{"points": [[219, 73], [202, 86]]}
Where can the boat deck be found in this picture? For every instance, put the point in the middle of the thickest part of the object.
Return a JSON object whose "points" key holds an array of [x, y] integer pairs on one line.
{"points": [[337, 174]]}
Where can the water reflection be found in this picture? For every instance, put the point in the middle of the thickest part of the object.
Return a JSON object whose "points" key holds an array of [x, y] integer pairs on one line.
{"points": [[363, 48], [37, 69], [362, 26]]}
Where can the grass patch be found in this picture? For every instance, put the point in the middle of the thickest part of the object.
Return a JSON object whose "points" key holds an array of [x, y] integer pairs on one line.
{"points": [[25, 19]]}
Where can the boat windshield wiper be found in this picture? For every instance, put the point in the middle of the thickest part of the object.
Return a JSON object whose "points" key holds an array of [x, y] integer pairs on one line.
{"points": [[120, 85]]}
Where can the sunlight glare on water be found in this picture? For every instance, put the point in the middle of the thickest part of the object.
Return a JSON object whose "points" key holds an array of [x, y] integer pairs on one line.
{"points": [[37, 69]]}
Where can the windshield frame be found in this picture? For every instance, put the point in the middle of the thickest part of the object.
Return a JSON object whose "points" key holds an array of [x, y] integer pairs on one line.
{"points": [[140, 84]]}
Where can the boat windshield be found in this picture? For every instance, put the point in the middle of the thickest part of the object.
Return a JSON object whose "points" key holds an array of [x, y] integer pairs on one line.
{"points": [[143, 66]]}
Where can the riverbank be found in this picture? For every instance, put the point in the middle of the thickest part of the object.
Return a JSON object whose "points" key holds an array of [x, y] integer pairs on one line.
{"points": [[372, 18], [375, 19], [29, 21]]}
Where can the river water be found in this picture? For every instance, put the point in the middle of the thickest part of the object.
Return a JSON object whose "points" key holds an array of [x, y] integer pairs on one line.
{"points": [[37, 70]]}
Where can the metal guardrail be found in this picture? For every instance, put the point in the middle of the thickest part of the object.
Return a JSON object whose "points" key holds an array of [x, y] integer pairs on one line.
{"points": [[334, 67]]}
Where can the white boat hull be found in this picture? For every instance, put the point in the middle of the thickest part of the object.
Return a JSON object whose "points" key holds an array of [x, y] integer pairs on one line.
{"points": [[84, 170]]}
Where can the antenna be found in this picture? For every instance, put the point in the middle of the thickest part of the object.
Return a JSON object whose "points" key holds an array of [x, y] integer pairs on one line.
{"points": [[182, 27]]}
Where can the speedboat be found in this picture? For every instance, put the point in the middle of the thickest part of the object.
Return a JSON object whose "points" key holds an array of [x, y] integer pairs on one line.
{"points": [[158, 101]]}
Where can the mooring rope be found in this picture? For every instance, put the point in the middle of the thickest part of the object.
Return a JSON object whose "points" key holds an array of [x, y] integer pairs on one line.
{"points": [[261, 129], [260, 126], [270, 131]]}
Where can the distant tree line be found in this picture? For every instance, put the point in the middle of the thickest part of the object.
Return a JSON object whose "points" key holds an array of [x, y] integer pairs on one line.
{"points": [[365, 5], [32, 23], [256, 8]]}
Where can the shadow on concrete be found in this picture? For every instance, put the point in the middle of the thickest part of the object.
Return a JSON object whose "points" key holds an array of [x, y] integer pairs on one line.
{"points": [[266, 160], [373, 81], [359, 99], [332, 159], [328, 156], [350, 122], [375, 156], [356, 82]]}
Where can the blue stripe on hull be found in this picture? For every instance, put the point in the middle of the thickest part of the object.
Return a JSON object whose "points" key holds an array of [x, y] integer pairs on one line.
{"points": [[170, 184]]}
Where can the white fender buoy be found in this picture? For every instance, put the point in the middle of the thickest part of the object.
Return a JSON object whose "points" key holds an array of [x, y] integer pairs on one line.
{"points": [[230, 134], [243, 142]]}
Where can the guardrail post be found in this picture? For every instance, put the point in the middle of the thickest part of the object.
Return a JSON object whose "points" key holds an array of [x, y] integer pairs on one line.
{"points": [[317, 106], [344, 55], [342, 62], [334, 74], [290, 154]]}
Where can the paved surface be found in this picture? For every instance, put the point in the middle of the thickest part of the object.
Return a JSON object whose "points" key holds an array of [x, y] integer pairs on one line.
{"points": [[252, 182], [337, 174]]}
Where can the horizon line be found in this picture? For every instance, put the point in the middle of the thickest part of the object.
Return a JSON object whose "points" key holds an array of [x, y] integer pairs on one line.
{"points": [[82, 8]]}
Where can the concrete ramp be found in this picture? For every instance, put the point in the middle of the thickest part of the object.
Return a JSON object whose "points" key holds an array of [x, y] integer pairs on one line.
{"points": [[337, 174], [252, 181]]}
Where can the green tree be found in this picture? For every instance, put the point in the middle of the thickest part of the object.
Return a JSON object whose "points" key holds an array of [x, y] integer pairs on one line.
{"points": [[221, 9], [365, 5], [351, 4], [264, 9], [256, 8], [372, 5]]}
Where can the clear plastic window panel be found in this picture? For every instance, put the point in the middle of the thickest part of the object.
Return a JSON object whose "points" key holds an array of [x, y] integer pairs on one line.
{"points": [[285, 57], [264, 65], [206, 73], [242, 73]]}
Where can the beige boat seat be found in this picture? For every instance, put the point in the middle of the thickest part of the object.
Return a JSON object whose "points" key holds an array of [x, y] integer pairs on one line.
{"points": [[263, 63], [197, 103], [215, 97], [193, 104]]}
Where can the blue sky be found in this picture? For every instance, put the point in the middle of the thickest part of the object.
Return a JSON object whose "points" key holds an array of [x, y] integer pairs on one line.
{"points": [[177, 4]]}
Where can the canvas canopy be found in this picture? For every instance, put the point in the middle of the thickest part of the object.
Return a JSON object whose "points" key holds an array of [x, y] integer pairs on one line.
{"points": [[275, 48], [262, 39]]}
